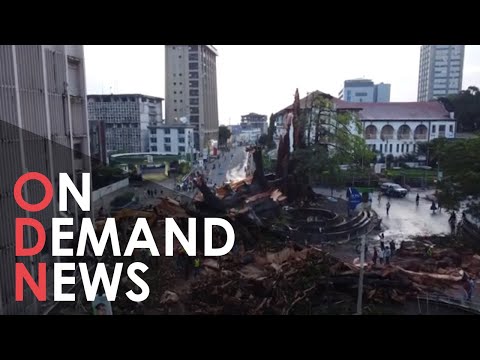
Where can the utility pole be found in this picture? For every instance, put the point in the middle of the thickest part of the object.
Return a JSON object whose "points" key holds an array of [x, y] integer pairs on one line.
{"points": [[360, 279]]}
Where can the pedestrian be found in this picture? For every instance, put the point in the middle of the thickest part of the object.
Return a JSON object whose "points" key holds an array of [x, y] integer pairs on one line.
{"points": [[417, 199], [375, 255], [196, 267], [382, 245], [433, 207], [392, 248], [387, 255], [388, 207], [380, 255]]}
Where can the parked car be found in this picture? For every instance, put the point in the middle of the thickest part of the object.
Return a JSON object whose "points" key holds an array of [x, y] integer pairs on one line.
{"points": [[393, 190]]}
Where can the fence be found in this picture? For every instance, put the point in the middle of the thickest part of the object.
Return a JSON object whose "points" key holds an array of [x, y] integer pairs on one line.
{"points": [[98, 194]]}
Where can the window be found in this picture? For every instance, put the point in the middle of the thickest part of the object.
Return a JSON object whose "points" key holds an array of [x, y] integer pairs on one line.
{"points": [[153, 148], [193, 57], [179, 56], [434, 129], [407, 147], [193, 48], [193, 75], [193, 66], [414, 147], [181, 149], [450, 128], [374, 146], [194, 110], [181, 100], [403, 147], [167, 148], [391, 147], [181, 131], [167, 140], [153, 131], [381, 148], [193, 92], [441, 128], [153, 140], [180, 74], [174, 83], [398, 147], [174, 92], [175, 100], [193, 83], [77, 151], [175, 110], [181, 140], [193, 101], [167, 131], [361, 94], [194, 119]]}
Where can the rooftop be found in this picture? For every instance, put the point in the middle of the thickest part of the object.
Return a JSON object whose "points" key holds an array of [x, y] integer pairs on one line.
{"points": [[432, 110], [123, 95]]}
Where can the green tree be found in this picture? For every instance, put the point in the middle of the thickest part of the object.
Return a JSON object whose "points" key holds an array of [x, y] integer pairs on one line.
{"points": [[224, 134], [271, 132], [466, 105], [332, 139], [263, 140], [459, 162]]}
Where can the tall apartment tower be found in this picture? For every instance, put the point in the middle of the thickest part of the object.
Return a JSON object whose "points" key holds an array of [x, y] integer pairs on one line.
{"points": [[191, 90], [441, 71], [44, 129]]}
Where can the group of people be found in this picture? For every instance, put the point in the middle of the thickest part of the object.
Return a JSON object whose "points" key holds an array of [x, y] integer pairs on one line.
{"points": [[186, 263], [150, 193], [385, 253]]}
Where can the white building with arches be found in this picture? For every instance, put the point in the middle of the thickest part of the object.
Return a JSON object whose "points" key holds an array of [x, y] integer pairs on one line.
{"points": [[397, 128]]}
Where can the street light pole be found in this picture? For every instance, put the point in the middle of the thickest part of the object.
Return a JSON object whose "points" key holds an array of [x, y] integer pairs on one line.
{"points": [[360, 279]]}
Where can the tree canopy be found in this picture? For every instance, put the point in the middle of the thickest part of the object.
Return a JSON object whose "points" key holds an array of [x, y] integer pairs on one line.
{"points": [[224, 134], [332, 139], [459, 160], [466, 105]]}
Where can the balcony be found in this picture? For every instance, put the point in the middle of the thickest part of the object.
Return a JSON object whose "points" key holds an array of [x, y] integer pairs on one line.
{"points": [[420, 137]]}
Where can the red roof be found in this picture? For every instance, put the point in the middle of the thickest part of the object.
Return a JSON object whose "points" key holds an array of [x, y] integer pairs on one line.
{"points": [[432, 110]]}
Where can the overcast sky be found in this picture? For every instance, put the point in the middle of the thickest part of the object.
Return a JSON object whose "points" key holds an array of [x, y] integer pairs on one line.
{"points": [[263, 78]]}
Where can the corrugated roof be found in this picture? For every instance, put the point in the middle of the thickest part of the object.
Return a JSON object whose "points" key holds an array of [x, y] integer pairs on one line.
{"points": [[432, 110]]}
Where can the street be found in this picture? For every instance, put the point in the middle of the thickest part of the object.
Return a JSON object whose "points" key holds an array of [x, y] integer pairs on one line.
{"points": [[228, 168]]}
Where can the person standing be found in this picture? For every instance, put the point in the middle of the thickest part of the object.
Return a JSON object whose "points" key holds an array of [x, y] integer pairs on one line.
{"points": [[388, 207], [392, 248], [387, 255], [417, 199], [380, 256], [375, 255]]}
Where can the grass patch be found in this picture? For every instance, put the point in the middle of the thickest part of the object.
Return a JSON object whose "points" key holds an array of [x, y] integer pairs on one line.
{"points": [[158, 176], [419, 173]]}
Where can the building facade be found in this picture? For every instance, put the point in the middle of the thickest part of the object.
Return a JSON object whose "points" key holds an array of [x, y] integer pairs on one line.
{"points": [[441, 71], [98, 143], [397, 128], [363, 90], [43, 128], [172, 139], [254, 121], [127, 118], [191, 90]]}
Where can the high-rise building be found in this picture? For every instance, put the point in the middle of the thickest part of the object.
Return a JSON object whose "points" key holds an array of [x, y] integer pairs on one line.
{"points": [[441, 71], [127, 118], [363, 90], [44, 129], [191, 90]]}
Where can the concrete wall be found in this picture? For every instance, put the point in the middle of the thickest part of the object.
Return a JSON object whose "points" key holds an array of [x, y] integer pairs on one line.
{"points": [[98, 194]]}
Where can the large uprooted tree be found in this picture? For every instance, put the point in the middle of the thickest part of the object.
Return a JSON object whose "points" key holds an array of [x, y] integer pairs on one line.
{"points": [[323, 139]]}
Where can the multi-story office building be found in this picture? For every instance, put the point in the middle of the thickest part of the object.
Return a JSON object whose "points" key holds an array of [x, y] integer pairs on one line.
{"points": [[191, 90], [254, 121], [441, 71], [171, 139], [44, 129], [363, 90], [127, 118]]}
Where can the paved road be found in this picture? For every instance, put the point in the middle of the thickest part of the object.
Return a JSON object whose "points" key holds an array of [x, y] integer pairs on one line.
{"points": [[405, 219], [230, 166]]}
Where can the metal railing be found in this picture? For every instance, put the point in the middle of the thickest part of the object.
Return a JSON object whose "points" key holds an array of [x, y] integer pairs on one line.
{"points": [[460, 303]]}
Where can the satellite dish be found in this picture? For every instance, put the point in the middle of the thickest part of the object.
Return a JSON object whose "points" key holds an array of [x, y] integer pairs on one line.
{"points": [[184, 120]]}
